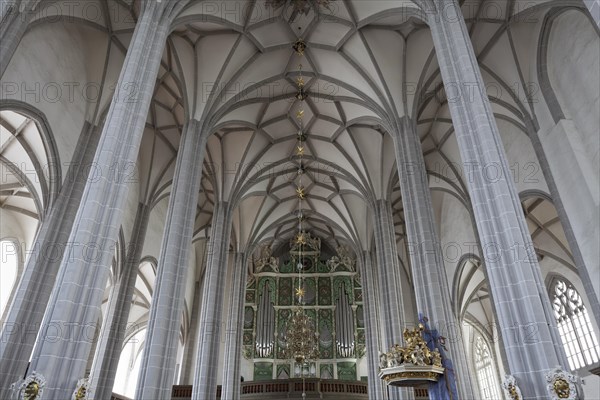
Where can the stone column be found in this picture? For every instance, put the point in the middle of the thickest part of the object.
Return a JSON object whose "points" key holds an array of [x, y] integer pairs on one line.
{"points": [[187, 366], [66, 338], [110, 341], [511, 262], [211, 316], [432, 291], [233, 335], [157, 369], [14, 19], [391, 302], [25, 315], [370, 305]]}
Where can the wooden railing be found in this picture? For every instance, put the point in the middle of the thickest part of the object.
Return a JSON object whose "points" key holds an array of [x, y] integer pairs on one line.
{"points": [[291, 388]]}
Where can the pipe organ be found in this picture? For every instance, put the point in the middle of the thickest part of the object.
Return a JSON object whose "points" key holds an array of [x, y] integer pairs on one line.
{"points": [[333, 300]]}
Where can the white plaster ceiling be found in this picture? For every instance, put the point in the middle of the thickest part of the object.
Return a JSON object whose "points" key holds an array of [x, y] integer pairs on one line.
{"points": [[230, 65]]}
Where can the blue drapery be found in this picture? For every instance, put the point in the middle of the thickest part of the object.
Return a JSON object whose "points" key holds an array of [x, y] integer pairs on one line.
{"points": [[445, 388]]}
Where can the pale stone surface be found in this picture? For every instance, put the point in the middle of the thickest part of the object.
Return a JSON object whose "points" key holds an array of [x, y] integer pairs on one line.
{"points": [[370, 76]]}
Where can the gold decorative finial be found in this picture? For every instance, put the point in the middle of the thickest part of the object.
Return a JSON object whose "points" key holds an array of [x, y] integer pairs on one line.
{"points": [[300, 239]]}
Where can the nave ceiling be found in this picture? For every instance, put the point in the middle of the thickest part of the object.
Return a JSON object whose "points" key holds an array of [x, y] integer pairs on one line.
{"points": [[230, 65]]}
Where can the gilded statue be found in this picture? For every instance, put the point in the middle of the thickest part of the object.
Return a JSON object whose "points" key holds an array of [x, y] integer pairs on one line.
{"points": [[415, 351]]}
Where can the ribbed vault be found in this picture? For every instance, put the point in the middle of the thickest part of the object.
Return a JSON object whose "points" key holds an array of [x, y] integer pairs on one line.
{"points": [[231, 66]]}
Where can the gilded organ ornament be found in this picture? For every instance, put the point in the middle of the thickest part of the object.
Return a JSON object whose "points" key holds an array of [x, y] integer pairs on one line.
{"points": [[266, 260], [341, 261]]}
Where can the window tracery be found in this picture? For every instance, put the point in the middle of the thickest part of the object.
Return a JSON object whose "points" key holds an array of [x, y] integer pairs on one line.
{"points": [[574, 325], [484, 367]]}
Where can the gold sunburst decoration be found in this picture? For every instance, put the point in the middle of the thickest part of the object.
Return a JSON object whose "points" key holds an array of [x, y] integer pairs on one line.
{"points": [[300, 239]]}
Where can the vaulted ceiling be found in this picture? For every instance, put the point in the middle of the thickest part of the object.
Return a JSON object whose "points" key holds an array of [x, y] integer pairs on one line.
{"points": [[230, 64]]}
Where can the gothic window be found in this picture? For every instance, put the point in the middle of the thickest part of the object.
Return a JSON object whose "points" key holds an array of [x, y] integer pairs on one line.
{"points": [[576, 332], [486, 375], [9, 262], [129, 365]]}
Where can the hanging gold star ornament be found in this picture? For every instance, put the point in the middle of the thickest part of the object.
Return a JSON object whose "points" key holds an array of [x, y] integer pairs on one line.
{"points": [[300, 239], [302, 337]]}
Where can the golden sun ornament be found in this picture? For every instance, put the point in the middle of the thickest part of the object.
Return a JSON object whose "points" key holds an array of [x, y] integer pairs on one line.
{"points": [[301, 192], [301, 337]]}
